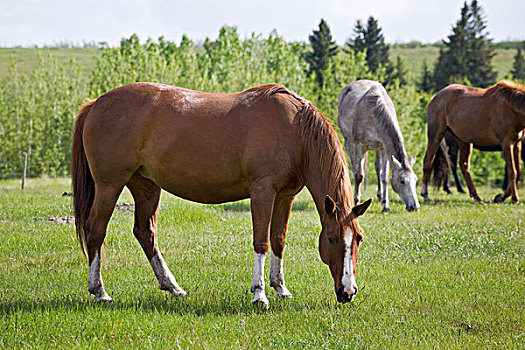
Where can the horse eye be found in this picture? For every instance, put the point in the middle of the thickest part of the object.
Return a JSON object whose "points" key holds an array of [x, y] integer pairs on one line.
{"points": [[331, 240]]}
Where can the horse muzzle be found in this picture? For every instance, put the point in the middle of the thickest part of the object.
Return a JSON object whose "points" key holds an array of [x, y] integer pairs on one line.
{"points": [[343, 296], [412, 208]]}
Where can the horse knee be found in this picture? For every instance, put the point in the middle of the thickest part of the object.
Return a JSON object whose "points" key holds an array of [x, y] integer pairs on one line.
{"points": [[261, 247]]}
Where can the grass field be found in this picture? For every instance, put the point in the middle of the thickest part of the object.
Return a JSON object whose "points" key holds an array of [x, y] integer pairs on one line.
{"points": [[451, 276]]}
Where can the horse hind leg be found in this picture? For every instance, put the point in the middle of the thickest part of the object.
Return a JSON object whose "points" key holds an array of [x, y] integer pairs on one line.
{"points": [[96, 226], [147, 198]]}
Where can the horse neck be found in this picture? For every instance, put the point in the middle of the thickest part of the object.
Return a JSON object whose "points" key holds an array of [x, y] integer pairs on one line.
{"points": [[393, 144], [319, 187]]}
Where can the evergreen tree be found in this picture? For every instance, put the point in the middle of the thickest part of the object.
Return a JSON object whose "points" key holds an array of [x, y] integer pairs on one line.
{"points": [[480, 49], [323, 49], [518, 67], [370, 39], [426, 79], [399, 73], [468, 52]]}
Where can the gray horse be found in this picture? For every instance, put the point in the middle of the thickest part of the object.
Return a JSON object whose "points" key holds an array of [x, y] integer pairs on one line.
{"points": [[368, 120]]}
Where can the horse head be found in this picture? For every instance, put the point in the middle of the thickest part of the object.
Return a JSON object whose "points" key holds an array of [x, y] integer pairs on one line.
{"points": [[339, 247], [404, 183]]}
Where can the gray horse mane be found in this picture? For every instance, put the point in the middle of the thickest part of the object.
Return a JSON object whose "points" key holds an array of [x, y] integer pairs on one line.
{"points": [[386, 116]]}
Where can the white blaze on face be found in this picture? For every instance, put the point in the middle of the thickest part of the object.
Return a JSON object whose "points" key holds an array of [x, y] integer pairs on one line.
{"points": [[348, 280]]}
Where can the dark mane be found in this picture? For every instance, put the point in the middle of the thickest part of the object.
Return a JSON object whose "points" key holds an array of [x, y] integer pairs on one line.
{"points": [[512, 93], [320, 141], [378, 104]]}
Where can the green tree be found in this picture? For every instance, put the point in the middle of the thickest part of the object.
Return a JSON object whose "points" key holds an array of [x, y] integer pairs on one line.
{"points": [[425, 84], [480, 49], [467, 55], [323, 49], [371, 40], [518, 66], [399, 73]]}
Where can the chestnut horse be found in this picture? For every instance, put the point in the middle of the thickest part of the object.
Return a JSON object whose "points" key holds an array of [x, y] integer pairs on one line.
{"points": [[265, 144], [485, 117]]}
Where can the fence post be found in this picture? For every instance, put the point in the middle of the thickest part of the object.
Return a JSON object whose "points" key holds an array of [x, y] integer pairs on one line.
{"points": [[24, 171]]}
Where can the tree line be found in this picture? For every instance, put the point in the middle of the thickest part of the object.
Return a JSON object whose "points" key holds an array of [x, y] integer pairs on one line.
{"points": [[37, 109]]}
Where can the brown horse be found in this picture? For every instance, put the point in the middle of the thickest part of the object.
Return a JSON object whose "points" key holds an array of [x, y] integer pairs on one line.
{"points": [[485, 117], [265, 144]]}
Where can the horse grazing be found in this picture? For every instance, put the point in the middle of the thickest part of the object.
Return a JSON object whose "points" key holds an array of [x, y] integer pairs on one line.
{"points": [[265, 144], [368, 120], [485, 117], [442, 165]]}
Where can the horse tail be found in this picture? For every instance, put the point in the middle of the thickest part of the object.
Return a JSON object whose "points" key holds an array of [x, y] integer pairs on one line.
{"points": [[441, 165], [82, 180]]}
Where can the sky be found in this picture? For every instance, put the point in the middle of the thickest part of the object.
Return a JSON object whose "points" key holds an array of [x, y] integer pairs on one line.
{"points": [[51, 22]]}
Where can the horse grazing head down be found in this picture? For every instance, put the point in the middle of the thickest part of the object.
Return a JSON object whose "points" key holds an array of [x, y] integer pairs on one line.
{"points": [[404, 183], [339, 247]]}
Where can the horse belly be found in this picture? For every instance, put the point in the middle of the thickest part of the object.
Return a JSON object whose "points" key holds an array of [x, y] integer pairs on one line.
{"points": [[199, 178]]}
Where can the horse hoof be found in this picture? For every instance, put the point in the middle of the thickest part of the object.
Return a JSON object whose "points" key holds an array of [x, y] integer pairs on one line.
{"points": [[283, 292], [261, 303], [499, 198], [178, 293], [104, 298]]}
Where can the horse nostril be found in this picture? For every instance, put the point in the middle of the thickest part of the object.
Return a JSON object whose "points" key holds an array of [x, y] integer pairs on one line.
{"points": [[355, 290], [342, 296]]}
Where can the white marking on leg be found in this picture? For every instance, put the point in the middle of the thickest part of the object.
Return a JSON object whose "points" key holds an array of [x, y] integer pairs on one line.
{"points": [[277, 276], [348, 280], [165, 277], [95, 284], [257, 287]]}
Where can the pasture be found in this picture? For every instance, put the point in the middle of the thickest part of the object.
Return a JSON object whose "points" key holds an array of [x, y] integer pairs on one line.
{"points": [[451, 276]]}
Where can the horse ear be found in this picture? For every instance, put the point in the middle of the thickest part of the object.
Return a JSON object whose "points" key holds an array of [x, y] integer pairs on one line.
{"points": [[412, 161], [329, 205], [396, 162], [360, 209]]}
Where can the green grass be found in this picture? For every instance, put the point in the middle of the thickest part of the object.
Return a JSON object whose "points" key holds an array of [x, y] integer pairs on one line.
{"points": [[451, 276], [26, 59], [413, 59]]}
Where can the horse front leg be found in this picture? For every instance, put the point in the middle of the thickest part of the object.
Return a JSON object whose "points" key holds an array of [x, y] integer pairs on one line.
{"points": [[280, 216], [262, 203], [511, 190], [382, 167], [465, 151]]}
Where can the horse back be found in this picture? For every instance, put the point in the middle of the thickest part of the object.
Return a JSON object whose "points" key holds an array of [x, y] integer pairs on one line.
{"points": [[471, 113], [367, 114], [200, 146]]}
